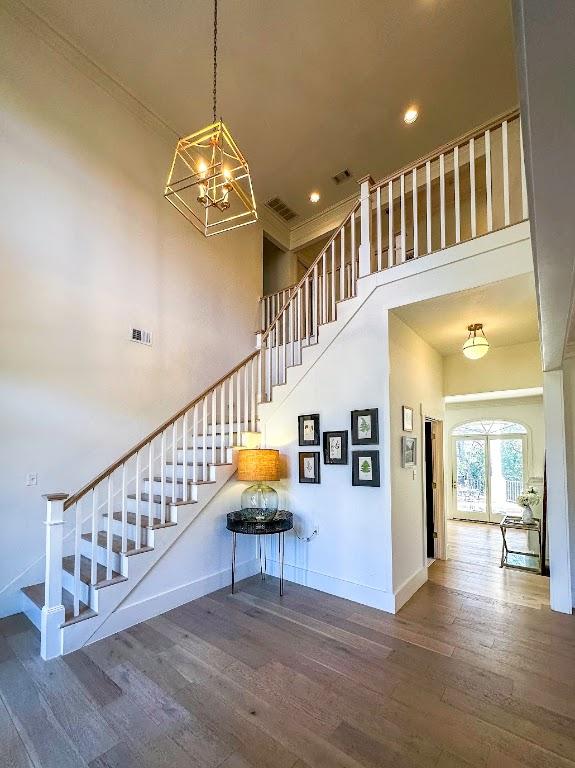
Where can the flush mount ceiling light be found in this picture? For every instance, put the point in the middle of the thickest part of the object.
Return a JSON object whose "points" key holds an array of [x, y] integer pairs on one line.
{"points": [[410, 115], [209, 180], [476, 345], [314, 197]]}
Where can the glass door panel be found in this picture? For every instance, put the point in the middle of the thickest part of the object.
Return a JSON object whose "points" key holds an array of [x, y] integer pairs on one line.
{"points": [[507, 476], [470, 478]]}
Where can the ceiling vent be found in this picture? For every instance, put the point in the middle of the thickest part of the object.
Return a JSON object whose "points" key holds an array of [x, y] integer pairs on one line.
{"points": [[342, 176], [141, 336], [278, 206]]}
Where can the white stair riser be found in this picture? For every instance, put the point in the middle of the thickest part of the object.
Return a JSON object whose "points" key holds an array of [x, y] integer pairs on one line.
{"points": [[147, 535], [101, 555], [189, 472], [168, 489]]}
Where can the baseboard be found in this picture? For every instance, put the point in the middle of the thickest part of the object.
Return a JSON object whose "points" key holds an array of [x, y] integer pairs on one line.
{"points": [[410, 587], [135, 613], [359, 593]]}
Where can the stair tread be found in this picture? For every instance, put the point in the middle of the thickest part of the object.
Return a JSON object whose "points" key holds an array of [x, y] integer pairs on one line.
{"points": [[36, 594], [116, 543], [191, 463], [86, 571], [179, 481], [131, 519]]}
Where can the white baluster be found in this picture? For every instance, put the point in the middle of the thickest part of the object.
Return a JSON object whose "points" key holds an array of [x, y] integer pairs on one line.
{"points": [[390, 233], [472, 186], [505, 148], [402, 214], [365, 227], [342, 264], [314, 321], [292, 328], [428, 204], [185, 488], [94, 535], [194, 444], [324, 317], [205, 438], [263, 313], [138, 541], [109, 529], [442, 199], [524, 205], [214, 404], [231, 400], [223, 422], [163, 478], [53, 614], [239, 402], [77, 555], [333, 279], [378, 227], [246, 401], [488, 180], [254, 369], [353, 256], [457, 195], [152, 480], [174, 461], [415, 222], [125, 508]]}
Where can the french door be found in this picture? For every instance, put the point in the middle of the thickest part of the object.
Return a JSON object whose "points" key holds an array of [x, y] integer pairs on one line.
{"points": [[489, 473]]}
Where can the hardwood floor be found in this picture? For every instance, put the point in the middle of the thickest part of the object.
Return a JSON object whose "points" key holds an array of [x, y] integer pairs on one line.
{"points": [[458, 678]]}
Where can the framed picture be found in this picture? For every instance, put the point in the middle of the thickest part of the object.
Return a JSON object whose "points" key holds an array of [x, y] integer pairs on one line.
{"points": [[335, 447], [309, 467], [309, 429], [364, 427], [365, 468], [407, 418], [408, 451]]}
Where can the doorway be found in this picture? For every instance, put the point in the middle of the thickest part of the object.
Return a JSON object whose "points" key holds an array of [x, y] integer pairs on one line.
{"points": [[489, 469], [433, 477]]}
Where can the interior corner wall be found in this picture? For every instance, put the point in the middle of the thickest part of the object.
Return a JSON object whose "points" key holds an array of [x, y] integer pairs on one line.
{"points": [[569, 395], [517, 366], [416, 380], [279, 268], [88, 249], [351, 556]]}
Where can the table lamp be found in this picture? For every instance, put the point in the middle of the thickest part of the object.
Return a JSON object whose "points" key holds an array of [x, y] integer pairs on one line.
{"points": [[259, 466]]}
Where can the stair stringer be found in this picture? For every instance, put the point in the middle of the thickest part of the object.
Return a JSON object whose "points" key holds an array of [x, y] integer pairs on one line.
{"points": [[110, 598]]}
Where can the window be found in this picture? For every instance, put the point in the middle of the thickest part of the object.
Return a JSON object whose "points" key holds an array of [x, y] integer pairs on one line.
{"points": [[490, 428]]}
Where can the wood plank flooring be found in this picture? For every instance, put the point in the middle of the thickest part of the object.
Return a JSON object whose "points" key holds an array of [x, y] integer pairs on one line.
{"points": [[460, 677]]}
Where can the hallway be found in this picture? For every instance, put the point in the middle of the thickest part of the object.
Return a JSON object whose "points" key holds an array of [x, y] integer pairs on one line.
{"points": [[474, 552]]}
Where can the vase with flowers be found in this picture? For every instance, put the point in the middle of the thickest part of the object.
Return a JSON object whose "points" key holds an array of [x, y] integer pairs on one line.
{"points": [[527, 500]]}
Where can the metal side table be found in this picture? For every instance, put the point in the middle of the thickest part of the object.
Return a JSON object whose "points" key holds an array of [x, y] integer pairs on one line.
{"points": [[239, 522], [512, 521]]}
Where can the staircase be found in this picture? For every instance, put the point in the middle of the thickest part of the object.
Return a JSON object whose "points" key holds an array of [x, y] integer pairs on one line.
{"points": [[104, 539]]}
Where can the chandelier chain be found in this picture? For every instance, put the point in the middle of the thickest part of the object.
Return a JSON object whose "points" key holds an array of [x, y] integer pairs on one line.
{"points": [[215, 55]]}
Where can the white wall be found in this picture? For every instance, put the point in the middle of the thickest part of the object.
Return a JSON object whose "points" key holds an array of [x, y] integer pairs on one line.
{"points": [[88, 248], [569, 394], [517, 366], [416, 380], [525, 410]]}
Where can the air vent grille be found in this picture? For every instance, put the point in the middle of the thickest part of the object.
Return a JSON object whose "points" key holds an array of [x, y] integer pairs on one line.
{"points": [[141, 336], [278, 206], [342, 176]]}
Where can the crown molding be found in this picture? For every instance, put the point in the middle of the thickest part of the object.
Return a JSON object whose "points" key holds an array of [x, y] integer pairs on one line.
{"points": [[41, 28]]}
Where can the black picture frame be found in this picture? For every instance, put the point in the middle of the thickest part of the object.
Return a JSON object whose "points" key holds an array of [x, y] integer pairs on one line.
{"points": [[358, 420], [304, 476], [408, 452], [358, 471], [327, 436], [303, 427], [407, 418]]}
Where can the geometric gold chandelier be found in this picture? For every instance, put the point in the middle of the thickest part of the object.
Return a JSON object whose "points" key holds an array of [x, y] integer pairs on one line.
{"points": [[209, 180]]}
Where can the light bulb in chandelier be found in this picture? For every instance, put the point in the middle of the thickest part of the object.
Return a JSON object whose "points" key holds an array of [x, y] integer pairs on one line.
{"points": [[209, 180], [476, 345]]}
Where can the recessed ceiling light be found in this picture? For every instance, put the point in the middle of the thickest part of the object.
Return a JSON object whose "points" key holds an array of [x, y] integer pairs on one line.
{"points": [[410, 115], [314, 197]]}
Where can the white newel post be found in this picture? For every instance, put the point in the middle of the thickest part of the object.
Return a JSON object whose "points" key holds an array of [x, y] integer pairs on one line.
{"points": [[365, 224], [53, 614]]}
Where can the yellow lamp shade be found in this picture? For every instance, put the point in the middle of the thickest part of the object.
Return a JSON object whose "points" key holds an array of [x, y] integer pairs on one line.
{"points": [[258, 465]]}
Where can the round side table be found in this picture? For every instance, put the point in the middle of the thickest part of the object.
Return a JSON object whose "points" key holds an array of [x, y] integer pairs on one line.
{"points": [[239, 522]]}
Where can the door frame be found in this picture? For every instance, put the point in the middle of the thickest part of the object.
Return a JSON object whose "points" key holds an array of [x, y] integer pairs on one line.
{"points": [[523, 436], [438, 475]]}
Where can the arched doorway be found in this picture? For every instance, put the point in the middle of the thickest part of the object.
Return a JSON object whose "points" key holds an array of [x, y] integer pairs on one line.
{"points": [[489, 469]]}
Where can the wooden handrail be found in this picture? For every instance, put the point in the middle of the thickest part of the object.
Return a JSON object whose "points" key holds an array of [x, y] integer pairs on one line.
{"points": [[310, 270], [474, 132], [128, 455]]}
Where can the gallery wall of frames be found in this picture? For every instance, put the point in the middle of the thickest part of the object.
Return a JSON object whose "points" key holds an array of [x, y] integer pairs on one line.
{"points": [[335, 448], [364, 432]]}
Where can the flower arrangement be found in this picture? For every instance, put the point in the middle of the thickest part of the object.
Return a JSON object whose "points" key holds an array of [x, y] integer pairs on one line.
{"points": [[529, 498]]}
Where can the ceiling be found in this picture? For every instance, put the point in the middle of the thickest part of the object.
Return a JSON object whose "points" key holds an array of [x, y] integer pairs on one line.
{"points": [[307, 88], [507, 309]]}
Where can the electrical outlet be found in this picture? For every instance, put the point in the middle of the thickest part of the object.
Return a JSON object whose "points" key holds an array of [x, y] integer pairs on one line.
{"points": [[32, 478]]}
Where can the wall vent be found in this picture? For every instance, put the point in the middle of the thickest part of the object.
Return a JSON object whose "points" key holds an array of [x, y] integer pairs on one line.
{"points": [[278, 206], [141, 336], [342, 176]]}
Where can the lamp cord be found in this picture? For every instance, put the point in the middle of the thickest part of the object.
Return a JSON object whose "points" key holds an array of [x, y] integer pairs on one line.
{"points": [[215, 54]]}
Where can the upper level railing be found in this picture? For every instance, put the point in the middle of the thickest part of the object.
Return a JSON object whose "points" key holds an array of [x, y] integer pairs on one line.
{"points": [[467, 188]]}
